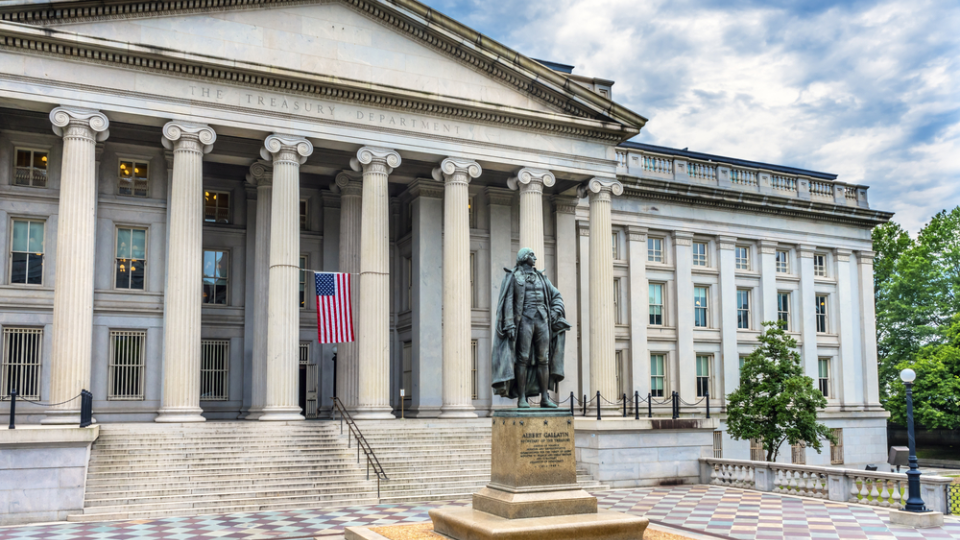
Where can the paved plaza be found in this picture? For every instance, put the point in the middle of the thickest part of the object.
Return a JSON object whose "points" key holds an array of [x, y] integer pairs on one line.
{"points": [[705, 510]]}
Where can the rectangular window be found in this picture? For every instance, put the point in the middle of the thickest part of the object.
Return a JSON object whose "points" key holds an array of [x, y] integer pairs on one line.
{"points": [[703, 375], [617, 316], [214, 366], [304, 353], [823, 376], [743, 360], [215, 265], [474, 356], [699, 254], [821, 314], [473, 279], [126, 365], [700, 306], [131, 258], [742, 257], [757, 453], [616, 247], [656, 304], [408, 267], [717, 445], [657, 375], [26, 255], [304, 215], [743, 308], [798, 453], [303, 282], [20, 371], [618, 357], [836, 449], [216, 207], [783, 309], [407, 370], [471, 213], [133, 179], [31, 168], [783, 262], [820, 265], [655, 249]]}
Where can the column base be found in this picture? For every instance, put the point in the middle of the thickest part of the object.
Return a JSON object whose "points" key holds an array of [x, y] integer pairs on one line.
{"points": [[280, 414], [177, 415], [374, 413], [251, 414], [458, 411]]}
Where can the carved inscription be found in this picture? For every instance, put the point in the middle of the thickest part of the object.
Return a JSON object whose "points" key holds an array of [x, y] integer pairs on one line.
{"points": [[546, 450]]}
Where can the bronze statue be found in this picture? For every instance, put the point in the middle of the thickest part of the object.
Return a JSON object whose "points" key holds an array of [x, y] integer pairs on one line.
{"points": [[528, 345]]}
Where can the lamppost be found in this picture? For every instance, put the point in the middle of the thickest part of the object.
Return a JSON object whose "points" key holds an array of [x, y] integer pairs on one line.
{"points": [[914, 502]]}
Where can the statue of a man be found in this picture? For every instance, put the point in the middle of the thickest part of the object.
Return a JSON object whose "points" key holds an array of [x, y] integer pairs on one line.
{"points": [[528, 345]]}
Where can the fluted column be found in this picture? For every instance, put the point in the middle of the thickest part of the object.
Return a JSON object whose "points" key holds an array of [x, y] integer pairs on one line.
{"points": [[76, 234], [287, 153], [457, 392], [374, 313], [871, 390], [530, 182], [602, 362], [351, 189], [180, 400], [260, 175]]}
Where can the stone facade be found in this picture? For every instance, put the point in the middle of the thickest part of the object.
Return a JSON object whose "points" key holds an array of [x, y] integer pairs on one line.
{"points": [[417, 164]]}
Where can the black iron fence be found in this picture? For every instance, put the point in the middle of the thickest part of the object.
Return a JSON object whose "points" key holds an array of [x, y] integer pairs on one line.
{"points": [[86, 407], [631, 405], [953, 499]]}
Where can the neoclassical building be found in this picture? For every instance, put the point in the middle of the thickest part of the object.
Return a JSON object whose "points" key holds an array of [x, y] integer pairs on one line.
{"points": [[171, 172]]}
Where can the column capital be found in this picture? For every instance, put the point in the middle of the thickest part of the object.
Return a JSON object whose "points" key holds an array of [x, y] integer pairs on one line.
{"points": [[866, 256], [350, 183], [531, 179], [807, 251], [261, 173], [188, 132], [373, 154], [843, 255], [94, 123], [636, 234], [425, 188], [450, 167], [768, 247], [683, 238], [499, 196], [565, 205], [599, 185], [278, 144], [727, 242]]}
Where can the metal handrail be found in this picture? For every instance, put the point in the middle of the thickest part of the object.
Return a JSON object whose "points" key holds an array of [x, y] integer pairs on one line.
{"points": [[362, 444]]}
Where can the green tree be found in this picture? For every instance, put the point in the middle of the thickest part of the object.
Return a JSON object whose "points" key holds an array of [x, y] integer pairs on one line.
{"points": [[776, 402], [936, 390]]}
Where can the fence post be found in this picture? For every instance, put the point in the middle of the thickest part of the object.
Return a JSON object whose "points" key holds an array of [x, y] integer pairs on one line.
{"points": [[584, 404], [13, 409], [624, 398], [636, 405], [598, 405], [86, 408], [706, 398], [676, 404], [571, 402], [649, 404]]}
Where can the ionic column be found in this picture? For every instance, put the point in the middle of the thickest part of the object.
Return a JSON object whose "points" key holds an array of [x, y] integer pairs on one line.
{"points": [[808, 314], [76, 235], [849, 325], [287, 153], [180, 400], [261, 175], [602, 364], [871, 389], [565, 209], [639, 309], [685, 366], [374, 313], [351, 190], [457, 393], [768, 281], [530, 182], [728, 315]]}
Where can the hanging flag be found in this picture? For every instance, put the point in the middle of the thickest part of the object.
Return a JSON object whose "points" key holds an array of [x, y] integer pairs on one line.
{"points": [[334, 311]]}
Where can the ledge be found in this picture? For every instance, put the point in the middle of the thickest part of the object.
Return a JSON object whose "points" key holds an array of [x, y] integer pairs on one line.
{"points": [[32, 436]]}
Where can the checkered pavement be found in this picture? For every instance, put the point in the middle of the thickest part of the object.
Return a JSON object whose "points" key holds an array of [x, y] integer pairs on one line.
{"points": [[714, 511]]}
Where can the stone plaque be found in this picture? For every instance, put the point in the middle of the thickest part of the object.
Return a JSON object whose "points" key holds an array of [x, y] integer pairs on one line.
{"points": [[533, 450]]}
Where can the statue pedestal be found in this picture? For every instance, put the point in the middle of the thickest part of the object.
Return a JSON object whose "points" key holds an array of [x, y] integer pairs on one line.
{"points": [[533, 491]]}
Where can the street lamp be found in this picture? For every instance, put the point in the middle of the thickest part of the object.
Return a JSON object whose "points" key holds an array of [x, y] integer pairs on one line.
{"points": [[914, 502]]}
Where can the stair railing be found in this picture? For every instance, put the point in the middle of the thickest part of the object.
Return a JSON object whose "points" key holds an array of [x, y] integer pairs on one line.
{"points": [[362, 444]]}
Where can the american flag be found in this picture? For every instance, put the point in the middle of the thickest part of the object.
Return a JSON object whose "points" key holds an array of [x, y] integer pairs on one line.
{"points": [[334, 312]]}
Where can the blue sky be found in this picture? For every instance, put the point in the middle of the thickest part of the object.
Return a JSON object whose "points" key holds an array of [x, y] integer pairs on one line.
{"points": [[866, 90]]}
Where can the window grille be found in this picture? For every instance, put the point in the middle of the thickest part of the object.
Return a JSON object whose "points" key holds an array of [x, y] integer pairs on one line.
{"points": [[742, 257], [214, 369], [655, 249], [656, 304], [836, 449], [303, 281], [133, 179], [783, 262], [26, 254], [823, 376], [408, 370], [31, 168], [757, 453], [703, 375], [617, 316], [130, 261], [215, 266], [821, 314], [618, 355], [798, 453], [304, 215], [717, 445], [474, 380], [22, 348], [216, 207], [783, 309], [616, 247], [820, 265], [699, 254], [126, 365], [743, 309], [304, 353], [700, 307], [657, 375]]}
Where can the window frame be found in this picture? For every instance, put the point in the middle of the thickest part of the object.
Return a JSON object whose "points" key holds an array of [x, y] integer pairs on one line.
{"points": [[737, 265], [227, 288], [217, 208], [473, 280], [207, 345], [821, 313], [32, 150], [135, 160], [785, 314], [43, 253], [701, 259], [304, 216], [617, 297], [651, 305], [825, 381], [662, 375], [704, 309], [820, 270], [655, 255], [116, 258], [744, 313], [406, 370], [615, 244], [35, 364], [141, 366], [704, 382], [304, 261], [782, 266]]}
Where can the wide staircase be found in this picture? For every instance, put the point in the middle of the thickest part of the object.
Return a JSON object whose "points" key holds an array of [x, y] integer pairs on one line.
{"points": [[155, 470]]}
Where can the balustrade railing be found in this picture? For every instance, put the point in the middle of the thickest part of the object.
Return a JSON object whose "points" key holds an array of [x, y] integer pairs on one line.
{"points": [[621, 158], [783, 183], [733, 473], [657, 165], [702, 171], [800, 480], [743, 178], [821, 189]]}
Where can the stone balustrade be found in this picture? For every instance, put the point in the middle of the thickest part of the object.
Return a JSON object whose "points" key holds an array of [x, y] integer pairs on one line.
{"points": [[644, 164], [872, 488]]}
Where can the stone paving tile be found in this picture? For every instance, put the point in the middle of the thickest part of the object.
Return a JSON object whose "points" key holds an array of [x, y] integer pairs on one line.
{"points": [[719, 512]]}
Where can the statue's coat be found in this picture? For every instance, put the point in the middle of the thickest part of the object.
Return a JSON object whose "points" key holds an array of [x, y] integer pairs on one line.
{"points": [[509, 313]]}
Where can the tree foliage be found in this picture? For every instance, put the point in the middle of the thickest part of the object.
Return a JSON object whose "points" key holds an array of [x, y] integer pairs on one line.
{"points": [[936, 391], [776, 402]]}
